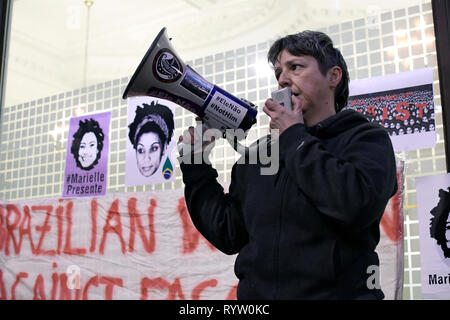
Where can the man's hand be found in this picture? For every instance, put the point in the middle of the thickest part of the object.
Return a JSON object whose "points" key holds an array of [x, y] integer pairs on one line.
{"points": [[282, 118], [199, 143]]}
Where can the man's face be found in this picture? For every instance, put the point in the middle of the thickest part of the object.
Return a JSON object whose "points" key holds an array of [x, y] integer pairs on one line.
{"points": [[302, 75]]}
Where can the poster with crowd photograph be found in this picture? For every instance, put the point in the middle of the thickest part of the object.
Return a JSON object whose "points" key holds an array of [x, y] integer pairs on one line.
{"points": [[402, 103], [86, 172], [433, 199], [131, 246], [150, 141]]}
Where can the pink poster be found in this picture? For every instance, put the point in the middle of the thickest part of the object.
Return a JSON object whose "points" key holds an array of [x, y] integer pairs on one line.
{"points": [[87, 153]]}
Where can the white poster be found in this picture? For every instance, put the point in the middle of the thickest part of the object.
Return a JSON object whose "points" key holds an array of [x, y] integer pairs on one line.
{"points": [[150, 141], [402, 103], [433, 198]]}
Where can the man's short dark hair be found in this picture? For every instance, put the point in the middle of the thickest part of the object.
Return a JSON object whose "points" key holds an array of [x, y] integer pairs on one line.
{"points": [[320, 46]]}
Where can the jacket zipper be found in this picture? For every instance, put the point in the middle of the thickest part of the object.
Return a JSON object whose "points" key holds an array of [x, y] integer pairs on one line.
{"points": [[276, 261]]}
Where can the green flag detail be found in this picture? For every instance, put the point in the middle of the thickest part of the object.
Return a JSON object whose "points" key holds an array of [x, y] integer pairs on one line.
{"points": [[167, 169]]}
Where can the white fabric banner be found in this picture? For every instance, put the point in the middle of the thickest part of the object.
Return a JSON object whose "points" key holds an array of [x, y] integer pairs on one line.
{"points": [[120, 246], [134, 246], [390, 248]]}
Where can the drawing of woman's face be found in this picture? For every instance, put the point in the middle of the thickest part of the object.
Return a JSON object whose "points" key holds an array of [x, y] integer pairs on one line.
{"points": [[88, 149], [149, 151]]}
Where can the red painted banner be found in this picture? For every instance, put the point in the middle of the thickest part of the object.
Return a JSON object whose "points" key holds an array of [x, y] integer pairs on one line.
{"points": [[130, 246]]}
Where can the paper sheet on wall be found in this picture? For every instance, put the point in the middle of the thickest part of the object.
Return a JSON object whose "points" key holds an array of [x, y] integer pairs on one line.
{"points": [[433, 199], [402, 103], [136, 246]]}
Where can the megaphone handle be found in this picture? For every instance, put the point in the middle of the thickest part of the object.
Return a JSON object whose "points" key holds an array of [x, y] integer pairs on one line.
{"points": [[198, 144], [253, 149], [239, 147]]}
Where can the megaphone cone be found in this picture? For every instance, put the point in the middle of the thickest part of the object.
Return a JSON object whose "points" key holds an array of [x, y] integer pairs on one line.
{"points": [[164, 75]]}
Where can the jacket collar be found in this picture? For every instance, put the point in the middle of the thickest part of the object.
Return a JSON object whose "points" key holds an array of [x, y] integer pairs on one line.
{"points": [[337, 123]]}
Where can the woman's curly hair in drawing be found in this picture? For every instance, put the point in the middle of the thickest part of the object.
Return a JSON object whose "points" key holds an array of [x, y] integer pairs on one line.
{"points": [[439, 223]]}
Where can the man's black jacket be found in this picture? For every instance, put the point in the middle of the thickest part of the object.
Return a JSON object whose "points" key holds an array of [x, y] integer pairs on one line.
{"points": [[310, 230]]}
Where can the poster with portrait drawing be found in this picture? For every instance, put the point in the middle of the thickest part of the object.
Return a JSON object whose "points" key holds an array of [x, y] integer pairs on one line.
{"points": [[150, 141], [86, 172], [433, 199], [402, 103]]}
